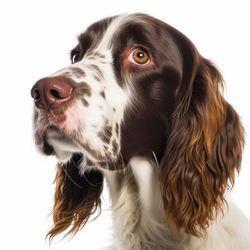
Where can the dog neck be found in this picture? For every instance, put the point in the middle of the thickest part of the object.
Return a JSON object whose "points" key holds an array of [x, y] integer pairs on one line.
{"points": [[137, 209]]}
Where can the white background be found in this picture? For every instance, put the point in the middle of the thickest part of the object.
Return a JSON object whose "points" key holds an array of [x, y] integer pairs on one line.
{"points": [[35, 39]]}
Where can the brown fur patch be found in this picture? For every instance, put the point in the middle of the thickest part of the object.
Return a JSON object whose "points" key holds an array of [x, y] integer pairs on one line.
{"points": [[115, 147], [106, 134], [117, 129], [77, 72], [84, 102], [97, 71], [102, 94], [82, 89]]}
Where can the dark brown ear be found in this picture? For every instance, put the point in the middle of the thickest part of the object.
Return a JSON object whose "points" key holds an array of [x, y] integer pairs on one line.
{"points": [[77, 197], [203, 152]]}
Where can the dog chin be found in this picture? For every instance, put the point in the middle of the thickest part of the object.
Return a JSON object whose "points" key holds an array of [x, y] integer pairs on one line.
{"points": [[63, 146]]}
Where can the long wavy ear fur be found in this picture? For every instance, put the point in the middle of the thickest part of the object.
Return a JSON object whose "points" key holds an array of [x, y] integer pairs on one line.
{"points": [[77, 197], [203, 151]]}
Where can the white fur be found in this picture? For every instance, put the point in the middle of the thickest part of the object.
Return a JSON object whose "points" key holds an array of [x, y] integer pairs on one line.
{"points": [[138, 216]]}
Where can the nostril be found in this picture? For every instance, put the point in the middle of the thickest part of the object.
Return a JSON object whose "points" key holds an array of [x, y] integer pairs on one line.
{"points": [[56, 94], [58, 91], [35, 94]]}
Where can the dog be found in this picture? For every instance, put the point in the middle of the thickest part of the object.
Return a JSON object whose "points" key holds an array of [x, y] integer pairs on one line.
{"points": [[140, 108]]}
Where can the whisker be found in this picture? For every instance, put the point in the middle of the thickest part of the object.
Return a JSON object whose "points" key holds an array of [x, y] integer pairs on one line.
{"points": [[70, 178], [91, 184], [155, 158], [105, 155], [73, 160], [121, 157], [107, 163], [113, 163]]}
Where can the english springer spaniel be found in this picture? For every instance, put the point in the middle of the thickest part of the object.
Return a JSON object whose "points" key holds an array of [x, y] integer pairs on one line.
{"points": [[141, 108]]}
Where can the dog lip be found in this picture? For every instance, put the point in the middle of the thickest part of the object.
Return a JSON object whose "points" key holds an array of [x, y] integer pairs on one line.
{"points": [[57, 117], [47, 148], [52, 132], [61, 142]]}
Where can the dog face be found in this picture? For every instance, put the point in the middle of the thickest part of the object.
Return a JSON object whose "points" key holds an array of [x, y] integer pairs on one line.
{"points": [[138, 87], [115, 99]]}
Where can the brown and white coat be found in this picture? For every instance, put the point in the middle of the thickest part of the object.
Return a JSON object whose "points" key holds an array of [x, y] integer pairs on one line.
{"points": [[141, 108]]}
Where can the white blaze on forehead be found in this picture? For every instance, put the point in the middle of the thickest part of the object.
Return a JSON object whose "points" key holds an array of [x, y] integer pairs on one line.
{"points": [[110, 32]]}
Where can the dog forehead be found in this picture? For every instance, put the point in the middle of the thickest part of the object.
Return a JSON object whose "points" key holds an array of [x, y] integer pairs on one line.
{"points": [[106, 41], [99, 35]]}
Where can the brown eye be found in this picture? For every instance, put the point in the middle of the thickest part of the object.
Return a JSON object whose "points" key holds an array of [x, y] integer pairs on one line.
{"points": [[139, 56]]}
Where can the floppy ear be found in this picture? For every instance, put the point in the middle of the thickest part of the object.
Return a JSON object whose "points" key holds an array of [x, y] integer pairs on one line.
{"points": [[77, 197], [203, 151]]}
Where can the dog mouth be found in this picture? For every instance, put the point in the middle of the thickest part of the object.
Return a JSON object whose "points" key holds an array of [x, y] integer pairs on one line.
{"points": [[53, 138], [56, 142], [63, 146]]}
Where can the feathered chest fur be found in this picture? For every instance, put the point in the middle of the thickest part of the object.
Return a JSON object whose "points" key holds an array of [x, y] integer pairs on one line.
{"points": [[138, 214]]}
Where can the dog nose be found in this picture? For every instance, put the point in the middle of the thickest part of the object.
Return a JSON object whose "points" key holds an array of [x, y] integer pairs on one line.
{"points": [[51, 92]]}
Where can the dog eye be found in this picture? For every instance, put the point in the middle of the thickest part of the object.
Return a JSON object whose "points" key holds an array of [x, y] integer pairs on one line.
{"points": [[75, 57], [139, 56]]}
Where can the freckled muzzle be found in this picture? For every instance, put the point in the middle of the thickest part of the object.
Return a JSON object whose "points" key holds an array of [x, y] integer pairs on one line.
{"points": [[52, 96]]}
